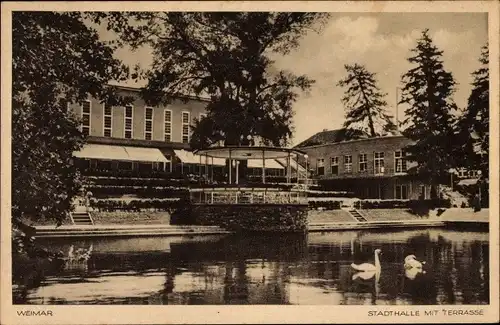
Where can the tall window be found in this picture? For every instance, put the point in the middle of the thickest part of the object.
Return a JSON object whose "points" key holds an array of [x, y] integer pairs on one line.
{"points": [[401, 192], [363, 163], [320, 167], [86, 107], [185, 127], [348, 164], [399, 162], [379, 162], [334, 164], [148, 123], [129, 115], [167, 127], [108, 120]]}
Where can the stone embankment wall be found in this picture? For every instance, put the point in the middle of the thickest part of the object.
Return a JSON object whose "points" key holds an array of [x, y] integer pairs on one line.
{"points": [[262, 218]]}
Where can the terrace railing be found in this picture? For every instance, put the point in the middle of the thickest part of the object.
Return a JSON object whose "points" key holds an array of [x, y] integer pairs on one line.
{"points": [[250, 195]]}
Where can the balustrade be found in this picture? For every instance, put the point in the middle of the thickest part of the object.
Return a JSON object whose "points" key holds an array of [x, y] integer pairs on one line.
{"points": [[247, 196]]}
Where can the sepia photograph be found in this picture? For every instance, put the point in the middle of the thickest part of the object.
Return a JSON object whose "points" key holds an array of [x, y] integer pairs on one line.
{"points": [[309, 157]]}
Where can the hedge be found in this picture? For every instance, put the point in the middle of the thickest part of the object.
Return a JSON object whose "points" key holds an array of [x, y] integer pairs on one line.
{"points": [[129, 173], [147, 192], [330, 194], [136, 205], [126, 181], [400, 204], [327, 205]]}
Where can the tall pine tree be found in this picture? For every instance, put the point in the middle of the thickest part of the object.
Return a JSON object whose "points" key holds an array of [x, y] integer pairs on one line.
{"points": [[364, 102], [473, 125], [427, 92]]}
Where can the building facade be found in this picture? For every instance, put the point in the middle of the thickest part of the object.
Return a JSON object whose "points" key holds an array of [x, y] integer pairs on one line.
{"points": [[137, 121], [370, 168], [138, 137]]}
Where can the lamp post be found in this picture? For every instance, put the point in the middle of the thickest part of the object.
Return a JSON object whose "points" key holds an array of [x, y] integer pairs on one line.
{"points": [[382, 169], [307, 176]]}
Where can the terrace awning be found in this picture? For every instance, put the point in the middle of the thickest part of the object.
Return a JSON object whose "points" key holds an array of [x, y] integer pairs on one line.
{"points": [[110, 152], [187, 157]]}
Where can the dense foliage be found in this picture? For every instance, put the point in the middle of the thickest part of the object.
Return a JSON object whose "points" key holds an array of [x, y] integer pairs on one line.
{"points": [[427, 94], [225, 57], [56, 59], [403, 204], [364, 102], [473, 125]]}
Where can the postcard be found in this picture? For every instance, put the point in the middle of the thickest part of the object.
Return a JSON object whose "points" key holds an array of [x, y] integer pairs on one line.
{"points": [[250, 162]]}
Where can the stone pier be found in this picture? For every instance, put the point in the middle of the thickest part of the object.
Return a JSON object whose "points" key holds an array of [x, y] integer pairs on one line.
{"points": [[252, 217]]}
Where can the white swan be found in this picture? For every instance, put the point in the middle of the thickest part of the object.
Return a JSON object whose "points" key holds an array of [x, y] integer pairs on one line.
{"points": [[412, 273], [411, 262], [366, 275], [367, 267]]}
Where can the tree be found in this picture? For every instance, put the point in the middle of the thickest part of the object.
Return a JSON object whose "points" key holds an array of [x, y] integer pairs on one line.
{"points": [[364, 102], [56, 59], [427, 92], [226, 57], [473, 125]]}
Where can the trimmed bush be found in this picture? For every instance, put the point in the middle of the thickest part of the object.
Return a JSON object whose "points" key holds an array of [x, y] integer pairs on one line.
{"points": [[327, 205], [127, 181], [146, 192], [131, 218], [403, 204], [329, 194], [130, 173], [136, 205]]}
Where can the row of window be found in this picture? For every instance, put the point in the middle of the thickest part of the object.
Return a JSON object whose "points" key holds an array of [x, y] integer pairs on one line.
{"points": [[129, 122], [378, 163]]}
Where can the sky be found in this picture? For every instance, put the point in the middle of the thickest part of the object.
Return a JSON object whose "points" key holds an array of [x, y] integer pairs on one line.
{"points": [[380, 41]]}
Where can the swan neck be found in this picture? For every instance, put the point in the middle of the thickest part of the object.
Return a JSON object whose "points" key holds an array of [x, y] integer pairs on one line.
{"points": [[377, 261]]}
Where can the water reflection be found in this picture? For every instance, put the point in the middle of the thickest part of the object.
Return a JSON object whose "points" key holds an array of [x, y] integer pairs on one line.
{"points": [[292, 269]]}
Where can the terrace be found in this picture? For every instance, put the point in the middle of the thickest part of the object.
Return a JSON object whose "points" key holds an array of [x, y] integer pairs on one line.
{"points": [[252, 191]]}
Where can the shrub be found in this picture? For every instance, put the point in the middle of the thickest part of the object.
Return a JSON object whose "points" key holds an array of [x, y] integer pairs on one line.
{"points": [[330, 194], [403, 204], [128, 181], [136, 205], [327, 205], [146, 192]]}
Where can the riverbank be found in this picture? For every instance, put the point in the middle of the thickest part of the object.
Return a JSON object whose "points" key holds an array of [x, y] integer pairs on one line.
{"points": [[319, 221]]}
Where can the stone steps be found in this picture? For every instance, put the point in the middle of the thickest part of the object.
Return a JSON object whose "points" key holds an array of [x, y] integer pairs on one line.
{"points": [[81, 218], [71, 231], [356, 215], [372, 225]]}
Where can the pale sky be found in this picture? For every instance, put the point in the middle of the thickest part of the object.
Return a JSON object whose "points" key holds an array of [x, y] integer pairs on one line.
{"points": [[381, 42]]}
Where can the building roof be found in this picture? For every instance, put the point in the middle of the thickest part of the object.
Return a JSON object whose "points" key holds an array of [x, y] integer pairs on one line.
{"points": [[138, 89], [332, 136]]}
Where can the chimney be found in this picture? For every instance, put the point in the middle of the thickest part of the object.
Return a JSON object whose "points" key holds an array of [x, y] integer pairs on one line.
{"points": [[324, 130]]}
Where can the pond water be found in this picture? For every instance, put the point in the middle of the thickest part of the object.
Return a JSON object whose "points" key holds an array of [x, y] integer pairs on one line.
{"points": [[313, 269]]}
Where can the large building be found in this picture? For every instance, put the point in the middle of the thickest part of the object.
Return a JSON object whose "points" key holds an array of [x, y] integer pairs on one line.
{"points": [[370, 168], [139, 138]]}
